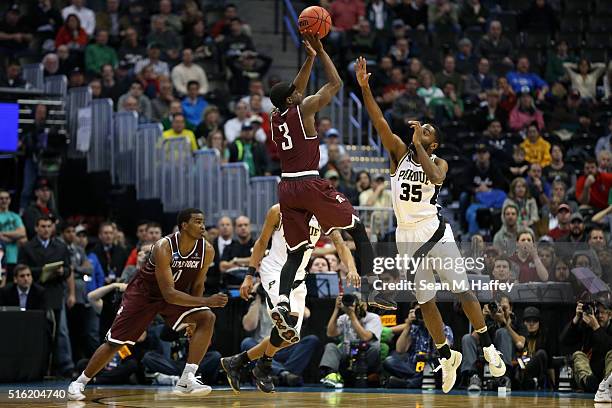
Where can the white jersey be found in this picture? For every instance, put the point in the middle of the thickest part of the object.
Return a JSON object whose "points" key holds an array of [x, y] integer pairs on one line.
{"points": [[277, 255], [415, 198]]}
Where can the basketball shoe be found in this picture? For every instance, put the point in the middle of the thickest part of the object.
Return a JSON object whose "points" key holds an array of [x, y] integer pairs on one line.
{"points": [[283, 321], [381, 300], [75, 391], [449, 368], [231, 366], [497, 367], [262, 373], [189, 384], [604, 392]]}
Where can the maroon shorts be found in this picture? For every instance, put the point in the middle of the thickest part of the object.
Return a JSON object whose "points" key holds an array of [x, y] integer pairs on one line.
{"points": [[137, 311], [302, 198]]}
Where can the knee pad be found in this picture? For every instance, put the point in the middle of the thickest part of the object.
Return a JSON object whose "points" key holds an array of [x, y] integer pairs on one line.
{"points": [[275, 339]]}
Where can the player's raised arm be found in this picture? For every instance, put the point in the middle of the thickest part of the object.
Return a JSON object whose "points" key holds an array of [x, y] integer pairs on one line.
{"points": [[259, 249], [394, 145], [301, 80], [435, 170], [344, 253], [323, 97], [197, 289], [163, 274]]}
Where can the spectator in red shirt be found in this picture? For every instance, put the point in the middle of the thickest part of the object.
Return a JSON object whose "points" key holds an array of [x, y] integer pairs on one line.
{"points": [[527, 260], [592, 187], [71, 34], [563, 218], [345, 14]]}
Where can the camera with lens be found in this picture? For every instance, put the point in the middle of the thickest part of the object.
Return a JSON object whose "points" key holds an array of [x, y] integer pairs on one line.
{"points": [[358, 365], [349, 300], [494, 307], [590, 308]]}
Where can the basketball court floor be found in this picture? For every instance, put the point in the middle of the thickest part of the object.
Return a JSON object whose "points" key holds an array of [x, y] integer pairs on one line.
{"points": [[153, 397]]}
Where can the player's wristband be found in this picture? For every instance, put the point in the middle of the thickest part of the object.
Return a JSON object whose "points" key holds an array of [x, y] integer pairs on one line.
{"points": [[251, 271]]}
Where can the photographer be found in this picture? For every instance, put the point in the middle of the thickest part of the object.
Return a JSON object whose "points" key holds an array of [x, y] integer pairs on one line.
{"points": [[360, 331], [503, 326], [589, 333], [290, 362], [413, 349]]}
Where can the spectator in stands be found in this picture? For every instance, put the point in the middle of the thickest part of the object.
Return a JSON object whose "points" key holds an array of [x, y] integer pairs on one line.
{"points": [[256, 87], [211, 122], [603, 143], [558, 169], [233, 127], [248, 150], [408, 106], [131, 51], [153, 54], [223, 240], [428, 90], [15, 36], [238, 252], [593, 186], [113, 21], [112, 257], [527, 206], [98, 54], [173, 21], [449, 74], [202, 44], [604, 161], [46, 21], [44, 250], [168, 41], [414, 348], [318, 264], [244, 67], [86, 16], [562, 270], [499, 146], [290, 362], [537, 348], [178, 130], [187, 71], [333, 153], [394, 89], [380, 16], [160, 106], [43, 205], [523, 81], [96, 88], [76, 78], [525, 113], [12, 232], [540, 17], [473, 14], [149, 81], [193, 103], [348, 178], [12, 76], [443, 16], [563, 222], [332, 138], [465, 58], [502, 269], [365, 42], [377, 196], [222, 26], [576, 230], [555, 71], [25, 293], [589, 335], [537, 150], [584, 77], [478, 83], [50, 65], [507, 96], [110, 87], [449, 107], [483, 175], [502, 325], [143, 103], [355, 325], [236, 41], [414, 13], [72, 34], [494, 46], [142, 235]]}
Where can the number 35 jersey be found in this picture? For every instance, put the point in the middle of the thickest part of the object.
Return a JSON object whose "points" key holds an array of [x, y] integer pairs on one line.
{"points": [[415, 198], [298, 152]]}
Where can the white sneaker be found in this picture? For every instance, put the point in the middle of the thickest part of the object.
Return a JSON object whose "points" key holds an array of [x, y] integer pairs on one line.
{"points": [[191, 385], [75, 391], [497, 367], [449, 370], [164, 379], [604, 392]]}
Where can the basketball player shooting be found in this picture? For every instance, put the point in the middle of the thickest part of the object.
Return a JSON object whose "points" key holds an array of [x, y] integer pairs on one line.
{"points": [[171, 284], [416, 178], [270, 266]]}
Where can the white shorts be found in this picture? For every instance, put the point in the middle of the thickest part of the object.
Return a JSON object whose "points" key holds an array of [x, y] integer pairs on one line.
{"points": [[433, 239], [270, 279]]}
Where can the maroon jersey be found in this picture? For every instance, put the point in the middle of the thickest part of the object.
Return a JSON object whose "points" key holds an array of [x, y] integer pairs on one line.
{"points": [[185, 268], [298, 152]]}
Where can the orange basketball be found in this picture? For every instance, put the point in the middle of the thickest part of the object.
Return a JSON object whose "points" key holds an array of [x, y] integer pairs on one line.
{"points": [[314, 20]]}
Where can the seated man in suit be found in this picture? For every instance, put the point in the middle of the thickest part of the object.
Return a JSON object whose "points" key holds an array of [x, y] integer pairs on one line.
{"points": [[24, 293]]}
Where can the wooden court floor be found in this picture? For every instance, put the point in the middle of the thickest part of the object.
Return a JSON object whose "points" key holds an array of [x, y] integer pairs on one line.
{"points": [[150, 397]]}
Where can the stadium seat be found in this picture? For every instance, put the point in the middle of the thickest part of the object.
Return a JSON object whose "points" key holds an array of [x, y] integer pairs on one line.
{"points": [[594, 54], [539, 40], [600, 24], [597, 40], [571, 24], [574, 7]]}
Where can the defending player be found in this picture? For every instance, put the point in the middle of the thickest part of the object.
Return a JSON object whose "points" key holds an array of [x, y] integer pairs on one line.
{"points": [[171, 284], [269, 272], [301, 191], [416, 178]]}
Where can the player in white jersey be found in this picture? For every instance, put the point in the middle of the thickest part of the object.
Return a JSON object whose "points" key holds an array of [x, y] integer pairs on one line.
{"points": [[416, 177], [269, 271]]}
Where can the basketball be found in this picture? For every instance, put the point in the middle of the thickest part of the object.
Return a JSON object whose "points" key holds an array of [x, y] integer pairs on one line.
{"points": [[314, 20]]}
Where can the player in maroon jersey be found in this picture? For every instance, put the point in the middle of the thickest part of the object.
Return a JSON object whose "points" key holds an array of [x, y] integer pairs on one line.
{"points": [[301, 191], [171, 284]]}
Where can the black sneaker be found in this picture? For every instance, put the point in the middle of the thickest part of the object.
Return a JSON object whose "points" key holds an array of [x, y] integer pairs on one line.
{"points": [[232, 367], [262, 373], [290, 379], [282, 322], [475, 384], [382, 300]]}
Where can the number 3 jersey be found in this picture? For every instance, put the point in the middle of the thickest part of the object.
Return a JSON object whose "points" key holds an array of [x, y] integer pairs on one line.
{"points": [[298, 152], [415, 198]]}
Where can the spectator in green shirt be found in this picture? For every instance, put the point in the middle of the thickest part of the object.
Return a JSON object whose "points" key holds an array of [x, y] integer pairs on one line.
{"points": [[447, 108], [12, 231], [99, 54]]}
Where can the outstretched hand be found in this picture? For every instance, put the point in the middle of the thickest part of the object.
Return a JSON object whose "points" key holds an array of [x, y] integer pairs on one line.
{"points": [[314, 41], [361, 71], [310, 51], [417, 136]]}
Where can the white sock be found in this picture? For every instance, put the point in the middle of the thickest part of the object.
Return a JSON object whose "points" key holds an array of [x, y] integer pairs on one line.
{"points": [[83, 379], [189, 368]]}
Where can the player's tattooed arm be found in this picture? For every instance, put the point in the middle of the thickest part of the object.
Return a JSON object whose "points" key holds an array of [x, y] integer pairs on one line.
{"points": [[197, 289], [392, 142], [347, 258], [163, 274], [301, 80]]}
